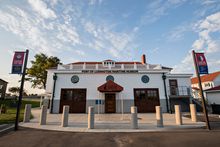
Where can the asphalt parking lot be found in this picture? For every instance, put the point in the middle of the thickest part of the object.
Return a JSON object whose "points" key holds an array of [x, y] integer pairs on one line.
{"points": [[32, 137]]}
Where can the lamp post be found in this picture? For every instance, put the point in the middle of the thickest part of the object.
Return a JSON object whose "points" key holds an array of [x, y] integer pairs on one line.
{"points": [[165, 91], [21, 91], [54, 85]]}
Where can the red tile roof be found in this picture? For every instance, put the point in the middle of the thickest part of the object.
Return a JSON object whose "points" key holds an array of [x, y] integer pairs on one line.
{"points": [[110, 86], [214, 88], [205, 78]]}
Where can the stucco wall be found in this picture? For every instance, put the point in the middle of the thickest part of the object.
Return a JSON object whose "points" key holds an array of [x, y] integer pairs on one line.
{"points": [[92, 81]]}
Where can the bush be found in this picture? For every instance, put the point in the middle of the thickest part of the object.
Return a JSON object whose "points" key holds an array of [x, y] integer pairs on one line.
{"points": [[3, 109]]}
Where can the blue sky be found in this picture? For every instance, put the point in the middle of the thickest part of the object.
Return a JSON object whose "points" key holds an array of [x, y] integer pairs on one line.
{"points": [[122, 30]]}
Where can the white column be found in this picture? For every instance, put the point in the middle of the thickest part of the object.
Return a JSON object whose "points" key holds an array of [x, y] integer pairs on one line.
{"points": [[134, 119], [159, 116], [65, 116], [27, 113], [178, 115], [99, 105], [91, 118], [122, 106], [43, 115], [193, 112]]}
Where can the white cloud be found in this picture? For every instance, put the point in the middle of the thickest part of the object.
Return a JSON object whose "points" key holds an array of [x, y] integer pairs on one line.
{"points": [[208, 2], [106, 39], [42, 9], [157, 9], [178, 33], [205, 28], [93, 2], [37, 33], [205, 43], [67, 33], [80, 52]]}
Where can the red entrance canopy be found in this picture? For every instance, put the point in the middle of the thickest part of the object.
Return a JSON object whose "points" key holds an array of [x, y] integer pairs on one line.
{"points": [[110, 86]]}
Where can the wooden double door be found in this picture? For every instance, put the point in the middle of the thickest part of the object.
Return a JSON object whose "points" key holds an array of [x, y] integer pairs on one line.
{"points": [[146, 99], [110, 103], [75, 99]]}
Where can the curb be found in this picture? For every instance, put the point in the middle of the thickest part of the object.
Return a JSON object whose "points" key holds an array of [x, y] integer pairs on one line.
{"points": [[6, 130]]}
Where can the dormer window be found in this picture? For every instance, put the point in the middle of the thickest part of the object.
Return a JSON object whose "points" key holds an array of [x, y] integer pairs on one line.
{"points": [[108, 63]]}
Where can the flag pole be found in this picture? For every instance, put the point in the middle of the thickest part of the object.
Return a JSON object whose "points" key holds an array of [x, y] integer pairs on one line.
{"points": [[21, 91], [201, 90]]}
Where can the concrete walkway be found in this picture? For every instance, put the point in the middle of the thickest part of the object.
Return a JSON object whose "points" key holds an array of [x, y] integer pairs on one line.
{"points": [[109, 123]]}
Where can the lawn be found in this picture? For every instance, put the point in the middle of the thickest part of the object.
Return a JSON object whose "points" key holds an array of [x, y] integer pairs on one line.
{"points": [[10, 115]]}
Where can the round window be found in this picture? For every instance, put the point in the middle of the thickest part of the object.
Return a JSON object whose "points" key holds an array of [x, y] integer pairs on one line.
{"points": [[75, 79], [109, 77], [145, 79]]}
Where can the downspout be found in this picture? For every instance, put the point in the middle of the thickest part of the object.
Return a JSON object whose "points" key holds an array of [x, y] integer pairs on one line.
{"points": [[54, 85], [165, 90]]}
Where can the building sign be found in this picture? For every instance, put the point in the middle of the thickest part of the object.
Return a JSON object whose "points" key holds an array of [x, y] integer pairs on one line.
{"points": [[201, 63], [17, 63], [110, 71]]}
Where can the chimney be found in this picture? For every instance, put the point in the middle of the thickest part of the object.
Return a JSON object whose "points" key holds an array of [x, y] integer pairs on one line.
{"points": [[143, 59]]}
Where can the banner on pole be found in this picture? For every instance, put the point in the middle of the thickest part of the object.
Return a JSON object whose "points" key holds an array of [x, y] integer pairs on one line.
{"points": [[17, 63], [201, 63]]}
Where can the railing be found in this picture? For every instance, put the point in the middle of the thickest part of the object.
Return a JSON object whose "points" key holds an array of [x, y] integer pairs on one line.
{"points": [[116, 67], [179, 91]]}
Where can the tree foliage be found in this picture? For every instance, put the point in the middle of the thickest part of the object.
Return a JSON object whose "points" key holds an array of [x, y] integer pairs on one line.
{"points": [[16, 90], [37, 74]]}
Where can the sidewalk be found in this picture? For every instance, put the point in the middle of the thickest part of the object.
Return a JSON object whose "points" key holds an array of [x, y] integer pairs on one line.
{"points": [[110, 123]]}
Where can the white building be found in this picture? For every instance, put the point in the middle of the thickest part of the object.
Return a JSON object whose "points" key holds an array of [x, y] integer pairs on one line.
{"points": [[208, 81], [113, 87], [213, 95]]}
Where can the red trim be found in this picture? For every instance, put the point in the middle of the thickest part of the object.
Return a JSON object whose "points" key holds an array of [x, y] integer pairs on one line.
{"points": [[195, 88], [214, 88]]}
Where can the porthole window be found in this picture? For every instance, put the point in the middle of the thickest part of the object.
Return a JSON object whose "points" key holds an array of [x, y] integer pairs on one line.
{"points": [[145, 79], [75, 79], [109, 77]]}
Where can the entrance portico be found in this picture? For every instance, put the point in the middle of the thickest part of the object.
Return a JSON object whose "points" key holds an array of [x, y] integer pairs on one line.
{"points": [[110, 89]]}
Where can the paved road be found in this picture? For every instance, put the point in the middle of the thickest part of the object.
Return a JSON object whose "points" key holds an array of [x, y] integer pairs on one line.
{"points": [[187, 138]]}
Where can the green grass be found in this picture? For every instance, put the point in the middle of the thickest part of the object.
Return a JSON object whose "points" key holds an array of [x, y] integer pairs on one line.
{"points": [[10, 115]]}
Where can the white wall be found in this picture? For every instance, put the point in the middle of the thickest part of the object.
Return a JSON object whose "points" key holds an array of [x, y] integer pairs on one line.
{"points": [[181, 81], [213, 97], [93, 81]]}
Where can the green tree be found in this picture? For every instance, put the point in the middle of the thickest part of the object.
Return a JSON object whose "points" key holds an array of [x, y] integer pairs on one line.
{"points": [[16, 90], [37, 74]]}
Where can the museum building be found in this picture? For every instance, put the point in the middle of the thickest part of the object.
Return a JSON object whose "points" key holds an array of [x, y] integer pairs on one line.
{"points": [[113, 87]]}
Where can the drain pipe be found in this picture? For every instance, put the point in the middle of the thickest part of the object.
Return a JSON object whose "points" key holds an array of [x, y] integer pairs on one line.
{"points": [[165, 90], [54, 85]]}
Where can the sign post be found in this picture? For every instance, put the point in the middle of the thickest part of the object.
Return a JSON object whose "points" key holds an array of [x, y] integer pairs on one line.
{"points": [[201, 68], [17, 65]]}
